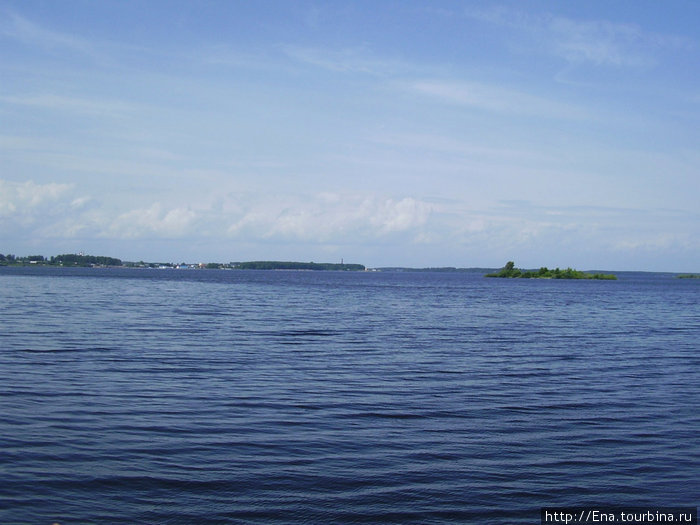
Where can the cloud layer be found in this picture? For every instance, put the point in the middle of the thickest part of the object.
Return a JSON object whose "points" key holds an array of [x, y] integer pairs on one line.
{"points": [[55, 213]]}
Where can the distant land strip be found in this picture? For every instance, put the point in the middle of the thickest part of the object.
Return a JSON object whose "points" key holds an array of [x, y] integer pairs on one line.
{"points": [[100, 261], [81, 260], [290, 265]]}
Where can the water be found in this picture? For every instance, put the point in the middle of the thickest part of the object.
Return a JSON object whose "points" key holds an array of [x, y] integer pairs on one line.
{"points": [[164, 396]]}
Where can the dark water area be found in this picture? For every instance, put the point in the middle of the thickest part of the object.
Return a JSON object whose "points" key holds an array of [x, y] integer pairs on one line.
{"points": [[186, 396]]}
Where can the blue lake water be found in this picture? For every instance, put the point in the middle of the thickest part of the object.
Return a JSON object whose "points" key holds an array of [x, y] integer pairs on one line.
{"points": [[186, 396]]}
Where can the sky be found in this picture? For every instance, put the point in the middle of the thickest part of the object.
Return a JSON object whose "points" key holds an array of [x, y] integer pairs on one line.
{"points": [[386, 133]]}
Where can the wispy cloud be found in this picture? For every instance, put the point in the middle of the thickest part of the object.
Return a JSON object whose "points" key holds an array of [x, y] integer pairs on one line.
{"points": [[600, 42], [28, 32], [72, 104], [233, 57], [446, 146], [490, 97], [63, 45], [597, 42], [347, 60]]}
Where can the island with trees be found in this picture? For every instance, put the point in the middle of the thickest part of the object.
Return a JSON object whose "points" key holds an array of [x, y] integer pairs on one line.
{"points": [[510, 271]]}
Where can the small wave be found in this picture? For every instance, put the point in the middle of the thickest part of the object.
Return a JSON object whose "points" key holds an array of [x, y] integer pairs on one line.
{"points": [[64, 350], [385, 415], [305, 333]]}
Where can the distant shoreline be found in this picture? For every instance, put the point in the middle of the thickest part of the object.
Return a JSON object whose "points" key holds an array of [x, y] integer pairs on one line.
{"points": [[86, 261], [90, 261]]}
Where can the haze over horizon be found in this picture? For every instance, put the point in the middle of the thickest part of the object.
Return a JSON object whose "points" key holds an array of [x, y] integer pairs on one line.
{"points": [[383, 133]]}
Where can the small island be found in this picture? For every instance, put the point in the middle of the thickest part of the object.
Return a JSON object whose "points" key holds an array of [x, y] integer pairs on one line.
{"points": [[511, 272], [688, 276]]}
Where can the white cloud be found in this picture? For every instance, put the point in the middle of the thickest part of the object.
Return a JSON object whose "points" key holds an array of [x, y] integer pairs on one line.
{"points": [[326, 216], [79, 202], [53, 214], [23, 199], [56, 210], [154, 220], [397, 216]]}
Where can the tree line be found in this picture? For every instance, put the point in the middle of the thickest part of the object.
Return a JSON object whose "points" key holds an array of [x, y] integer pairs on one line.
{"points": [[66, 259]]}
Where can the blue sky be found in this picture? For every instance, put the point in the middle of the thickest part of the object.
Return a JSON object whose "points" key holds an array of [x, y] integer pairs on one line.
{"points": [[385, 133]]}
